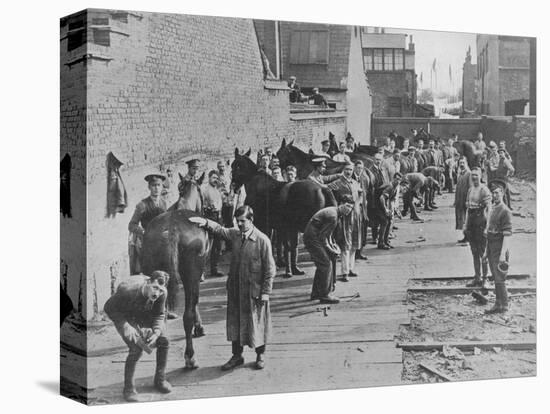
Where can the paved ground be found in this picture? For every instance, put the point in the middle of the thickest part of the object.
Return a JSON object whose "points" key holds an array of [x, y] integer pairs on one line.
{"points": [[352, 346]]}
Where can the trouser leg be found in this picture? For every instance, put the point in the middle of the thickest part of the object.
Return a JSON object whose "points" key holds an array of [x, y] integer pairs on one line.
{"points": [[160, 372], [260, 350], [322, 281], [236, 348], [215, 254], [387, 230], [346, 261], [134, 354], [382, 231]]}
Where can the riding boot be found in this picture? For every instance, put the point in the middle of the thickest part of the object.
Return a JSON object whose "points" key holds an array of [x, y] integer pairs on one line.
{"points": [[484, 270], [162, 357], [296, 271], [130, 394], [287, 261]]}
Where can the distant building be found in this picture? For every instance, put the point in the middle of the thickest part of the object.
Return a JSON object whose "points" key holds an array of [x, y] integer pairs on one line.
{"points": [[506, 75], [325, 56], [390, 69], [469, 84]]}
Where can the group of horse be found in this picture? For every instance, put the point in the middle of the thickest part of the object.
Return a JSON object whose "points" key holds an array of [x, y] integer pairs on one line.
{"points": [[173, 244]]}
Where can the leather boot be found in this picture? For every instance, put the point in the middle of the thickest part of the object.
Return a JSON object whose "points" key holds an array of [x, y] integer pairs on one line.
{"points": [[296, 271], [160, 382], [129, 393]]}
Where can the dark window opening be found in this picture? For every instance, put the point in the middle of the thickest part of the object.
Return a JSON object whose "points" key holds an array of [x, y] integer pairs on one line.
{"points": [[102, 37], [100, 21], [309, 47]]}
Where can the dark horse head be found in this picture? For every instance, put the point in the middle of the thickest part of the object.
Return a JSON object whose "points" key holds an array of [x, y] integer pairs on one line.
{"points": [[242, 168], [190, 195]]}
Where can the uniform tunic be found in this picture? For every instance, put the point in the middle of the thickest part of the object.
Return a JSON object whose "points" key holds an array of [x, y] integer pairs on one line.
{"points": [[129, 305], [146, 210], [500, 226], [322, 179], [477, 200], [250, 278], [317, 235]]}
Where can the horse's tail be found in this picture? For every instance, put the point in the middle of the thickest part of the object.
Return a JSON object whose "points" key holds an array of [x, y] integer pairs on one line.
{"points": [[173, 268]]}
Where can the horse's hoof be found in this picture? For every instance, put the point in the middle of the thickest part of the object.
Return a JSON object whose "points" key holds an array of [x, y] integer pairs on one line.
{"points": [[198, 332], [190, 363]]}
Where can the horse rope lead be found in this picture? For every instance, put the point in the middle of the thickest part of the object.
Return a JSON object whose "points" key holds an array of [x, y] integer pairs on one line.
{"points": [[324, 309]]}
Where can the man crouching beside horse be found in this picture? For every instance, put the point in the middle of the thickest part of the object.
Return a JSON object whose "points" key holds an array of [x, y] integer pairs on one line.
{"points": [[138, 311]]}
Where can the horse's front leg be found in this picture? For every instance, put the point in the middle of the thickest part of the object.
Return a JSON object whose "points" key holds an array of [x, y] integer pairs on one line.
{"points": [[188, 322], [198, 328]]}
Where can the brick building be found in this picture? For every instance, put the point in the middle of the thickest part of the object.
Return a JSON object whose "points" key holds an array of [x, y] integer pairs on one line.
{"points": [[469, 84], [324, 56], [505, 74], [390, 69], [156, 89]]}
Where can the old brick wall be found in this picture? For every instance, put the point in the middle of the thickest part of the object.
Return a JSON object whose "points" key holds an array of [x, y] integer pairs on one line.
{"points": [[161, 89], [73, 142], [466, 128], [524, 145]]}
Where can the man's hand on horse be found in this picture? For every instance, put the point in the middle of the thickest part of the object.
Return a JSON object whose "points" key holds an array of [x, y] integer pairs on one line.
{"points": [[199, 221]]}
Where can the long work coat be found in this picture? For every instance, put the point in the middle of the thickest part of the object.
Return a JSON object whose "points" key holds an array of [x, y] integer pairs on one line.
{"points": [[349, 232], [251, 275]]}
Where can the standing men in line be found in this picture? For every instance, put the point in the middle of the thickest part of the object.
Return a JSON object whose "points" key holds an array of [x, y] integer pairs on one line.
{"points": [[212, 207], [249, 285], [325, 147], [320, 244], [137, 310], [412, 158], [499, 232], [146, 210], [391, 165], [479, 143], [463, 184], [349, 236], [492, 162], [478, 204]]}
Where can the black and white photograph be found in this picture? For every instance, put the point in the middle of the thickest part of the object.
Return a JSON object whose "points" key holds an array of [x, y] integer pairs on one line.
{"points": [[279, 207], [253, 206]]}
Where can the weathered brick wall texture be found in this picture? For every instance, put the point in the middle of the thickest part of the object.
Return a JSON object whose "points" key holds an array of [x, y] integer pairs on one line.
{"points": [[390, 84], [169, 87]]}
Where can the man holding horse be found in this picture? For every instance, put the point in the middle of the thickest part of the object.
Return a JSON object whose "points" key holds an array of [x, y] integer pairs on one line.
{"points": [[249, 285], [319, 168], [193, 167], [146, 210], [319, 242], [138, 311]]}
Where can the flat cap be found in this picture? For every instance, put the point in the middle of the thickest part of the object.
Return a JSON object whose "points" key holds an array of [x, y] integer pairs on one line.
{"points": [[151, 177]]}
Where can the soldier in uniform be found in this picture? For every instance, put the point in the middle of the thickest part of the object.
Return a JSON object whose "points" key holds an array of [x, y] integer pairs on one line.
{"points": [[320, 244], [319, 168], [499, 232], [325, 146], [363, 179], [503, 171], [146, 210], [463, 183], [193, 167], [137, 310], [478, 204]]}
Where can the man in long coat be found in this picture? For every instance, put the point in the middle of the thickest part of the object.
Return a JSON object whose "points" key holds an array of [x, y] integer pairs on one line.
{"points": [[249, 285], [462, 186], [350, 230], [360, 175]]}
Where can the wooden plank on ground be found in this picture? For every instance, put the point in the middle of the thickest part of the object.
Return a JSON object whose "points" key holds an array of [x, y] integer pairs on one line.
{"points": [[518, 276], [435, 371], [467, 346], [464, 290]]}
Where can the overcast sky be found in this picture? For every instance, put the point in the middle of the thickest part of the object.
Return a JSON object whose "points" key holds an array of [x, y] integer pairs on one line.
{"points": [[448, 48]]}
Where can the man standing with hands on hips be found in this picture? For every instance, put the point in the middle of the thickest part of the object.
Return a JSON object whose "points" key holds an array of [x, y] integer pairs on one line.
{"points": [[249, 284]]}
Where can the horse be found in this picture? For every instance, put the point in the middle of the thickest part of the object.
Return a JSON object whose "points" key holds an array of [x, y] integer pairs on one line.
{"points": [[190, 197], [398, 139], [467, 149], [175, 245], [281, 206]]}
